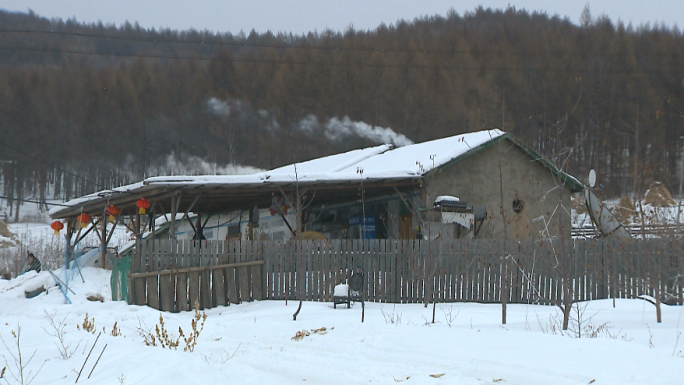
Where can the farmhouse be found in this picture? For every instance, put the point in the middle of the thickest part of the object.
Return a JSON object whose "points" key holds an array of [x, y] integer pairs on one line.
{"points": [[472, 169], [426, 222], [461, 186]]}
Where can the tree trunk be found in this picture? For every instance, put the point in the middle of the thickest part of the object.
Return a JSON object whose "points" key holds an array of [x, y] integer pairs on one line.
{"points": [[566, 315]]}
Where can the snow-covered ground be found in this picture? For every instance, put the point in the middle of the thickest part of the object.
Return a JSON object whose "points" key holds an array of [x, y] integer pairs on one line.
{"points": [[252, 343], [659, 220], [39, 239]]}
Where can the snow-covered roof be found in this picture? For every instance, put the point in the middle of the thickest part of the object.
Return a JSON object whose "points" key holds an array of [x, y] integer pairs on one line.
{"points": [[332, 163], [428, 155], [380, 162], [126, 189], [373, 164]]}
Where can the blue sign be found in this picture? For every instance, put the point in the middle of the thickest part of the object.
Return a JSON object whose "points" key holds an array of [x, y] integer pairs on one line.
{"points": [[368, 225]]}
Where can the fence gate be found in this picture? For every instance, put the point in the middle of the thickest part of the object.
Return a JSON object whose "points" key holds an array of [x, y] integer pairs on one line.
{"points": [[179, 275]]}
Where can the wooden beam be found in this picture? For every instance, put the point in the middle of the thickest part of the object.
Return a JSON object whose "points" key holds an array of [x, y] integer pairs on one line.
{"points": [[216, 198], [174, 210], [411, 207], [92, 226], [103, 240], [109, 237], [122, 200], [97, 232], [191, 224], [192, 269]]}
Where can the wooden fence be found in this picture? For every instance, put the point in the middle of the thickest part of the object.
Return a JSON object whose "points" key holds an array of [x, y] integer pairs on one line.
{"points": [[172, 275], [637, 230], [179, 275]]}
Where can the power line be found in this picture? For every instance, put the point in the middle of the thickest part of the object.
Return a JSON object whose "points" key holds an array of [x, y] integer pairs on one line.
{"points": [[343, 65], [48, 164], [51, 165], [335, 48], [34, 201]]}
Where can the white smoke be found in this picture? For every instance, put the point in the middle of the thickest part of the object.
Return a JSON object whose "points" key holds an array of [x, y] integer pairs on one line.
{"points": [[309, 124], [244, 112], [219, 107], [269, 119], [192, 165], [334, 129], [338, 129]]}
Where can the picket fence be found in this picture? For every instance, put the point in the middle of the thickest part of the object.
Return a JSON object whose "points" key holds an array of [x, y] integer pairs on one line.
{"points": [[176, 275]]}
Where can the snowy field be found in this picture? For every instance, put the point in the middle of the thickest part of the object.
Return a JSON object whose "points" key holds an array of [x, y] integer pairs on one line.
{"points": [[252, 343]]}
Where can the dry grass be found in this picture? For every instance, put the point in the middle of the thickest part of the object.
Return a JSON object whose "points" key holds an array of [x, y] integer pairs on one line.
{"points": [[624, 209], [49, 250], [4, 230], [659, 196]]}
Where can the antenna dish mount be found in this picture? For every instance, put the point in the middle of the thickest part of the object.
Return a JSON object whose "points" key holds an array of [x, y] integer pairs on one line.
{"points": [[592, 178]]}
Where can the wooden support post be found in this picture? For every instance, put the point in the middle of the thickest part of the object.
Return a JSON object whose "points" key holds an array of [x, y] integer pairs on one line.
{"points": [[103, 239], [172, 233], [153, 220], [140, 292], [67, 247]]}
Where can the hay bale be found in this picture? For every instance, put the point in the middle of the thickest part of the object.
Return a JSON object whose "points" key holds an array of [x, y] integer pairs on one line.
{"points": [[4, 230], [624, 209], [314, 235], [659, 196], [7, 239]]}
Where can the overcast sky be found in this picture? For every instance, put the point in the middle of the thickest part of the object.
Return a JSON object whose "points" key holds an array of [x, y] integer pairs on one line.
{"points": [[301, 16]]}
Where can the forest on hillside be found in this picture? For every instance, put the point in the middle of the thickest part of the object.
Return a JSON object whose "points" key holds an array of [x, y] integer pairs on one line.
{"points": [[85, 107]]}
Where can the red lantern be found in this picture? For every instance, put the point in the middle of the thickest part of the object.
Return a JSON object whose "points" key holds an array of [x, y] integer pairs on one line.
{"points": [[57, 226], [143, 204], [84, 219], [113, 211]]}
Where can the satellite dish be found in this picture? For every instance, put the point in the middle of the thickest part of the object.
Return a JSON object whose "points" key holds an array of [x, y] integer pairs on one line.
{"points": [[592, 178]]}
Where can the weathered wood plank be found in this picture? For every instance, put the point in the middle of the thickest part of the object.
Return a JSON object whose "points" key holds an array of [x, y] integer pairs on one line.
{"points": [[267, 270], [182, 300], [307, 250], [194, 289], [153, 292], [392, 271], [231, 283], [139, 289], [244, 284], [280, 270], [402, 270], [205, 291], [256, 272], [412, 271], [166, 282], [218, 278], [331, 282], [275, 256]]}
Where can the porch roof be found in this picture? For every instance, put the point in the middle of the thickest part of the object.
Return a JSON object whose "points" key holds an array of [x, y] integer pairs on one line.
{"points": [[208, 194]]}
